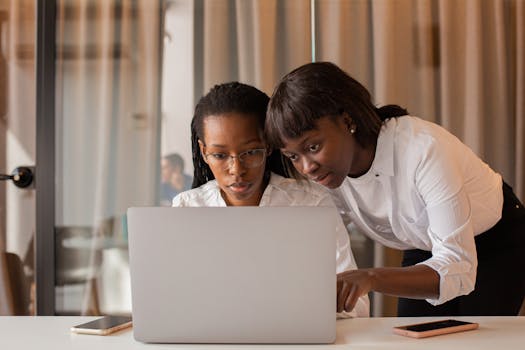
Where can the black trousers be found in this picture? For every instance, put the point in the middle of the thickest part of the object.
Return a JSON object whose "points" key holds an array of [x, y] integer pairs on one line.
{"points": [[500, 282]]}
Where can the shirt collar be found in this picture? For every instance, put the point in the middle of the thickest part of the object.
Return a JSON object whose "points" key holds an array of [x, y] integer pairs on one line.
{"points": [[384, 156], [273, 185]]}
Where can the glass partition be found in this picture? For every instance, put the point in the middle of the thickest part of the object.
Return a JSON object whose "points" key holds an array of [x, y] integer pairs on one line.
{"points": [[108, 65]]}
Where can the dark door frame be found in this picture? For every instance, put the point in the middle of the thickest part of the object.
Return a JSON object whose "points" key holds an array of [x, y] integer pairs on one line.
{"points": [[45, 157]]}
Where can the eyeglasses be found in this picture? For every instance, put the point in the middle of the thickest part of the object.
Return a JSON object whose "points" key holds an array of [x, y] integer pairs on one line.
{"points": [[251, 158]]}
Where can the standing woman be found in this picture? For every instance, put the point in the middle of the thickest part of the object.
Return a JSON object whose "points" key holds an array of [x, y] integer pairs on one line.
{"points": [[234, 166], [410, 185]]}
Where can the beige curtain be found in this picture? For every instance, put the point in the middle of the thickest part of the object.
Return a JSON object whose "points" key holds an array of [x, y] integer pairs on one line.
{"points": [[458, 63], [253, 41], [107, 133], [107, 105]]}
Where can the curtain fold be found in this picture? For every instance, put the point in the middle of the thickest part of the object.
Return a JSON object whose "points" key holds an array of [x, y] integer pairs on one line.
{"points": [[107, 102], [254, 41]]}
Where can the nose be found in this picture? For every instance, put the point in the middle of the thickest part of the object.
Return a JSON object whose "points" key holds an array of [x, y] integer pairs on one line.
{"points": [[307, 166], [236, 167]]}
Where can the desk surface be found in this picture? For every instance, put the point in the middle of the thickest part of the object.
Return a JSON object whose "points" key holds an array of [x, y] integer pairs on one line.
{"points": [[360, 333]]}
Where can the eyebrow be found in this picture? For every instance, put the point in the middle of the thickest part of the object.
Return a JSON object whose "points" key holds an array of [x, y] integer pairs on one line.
{"points": [[244, 143], [301, 144]]}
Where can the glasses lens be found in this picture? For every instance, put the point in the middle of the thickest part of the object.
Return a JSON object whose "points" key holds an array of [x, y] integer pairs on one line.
{"points": [[252, 158], [249, 159]]}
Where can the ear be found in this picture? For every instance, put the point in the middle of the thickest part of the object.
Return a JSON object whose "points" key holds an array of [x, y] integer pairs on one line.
{"points": [[201, 147], [347, 120]]}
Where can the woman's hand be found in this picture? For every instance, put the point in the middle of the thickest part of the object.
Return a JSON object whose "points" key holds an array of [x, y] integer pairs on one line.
{"points": [[416, 282], [351, 285]]}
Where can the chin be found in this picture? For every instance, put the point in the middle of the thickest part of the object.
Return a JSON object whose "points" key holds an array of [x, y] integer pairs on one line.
{"points": [[241, 196], [331, 186], [336, 183]]}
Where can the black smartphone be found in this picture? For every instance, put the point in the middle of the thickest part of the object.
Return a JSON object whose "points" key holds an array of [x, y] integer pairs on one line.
{"points": [[103, 326], [429, 329]]}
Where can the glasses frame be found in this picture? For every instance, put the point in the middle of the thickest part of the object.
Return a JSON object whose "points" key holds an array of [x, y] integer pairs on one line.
{"points": [[229, 162]]}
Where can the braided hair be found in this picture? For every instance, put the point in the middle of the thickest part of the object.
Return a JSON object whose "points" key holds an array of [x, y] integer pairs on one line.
{"points": [[233, 97]]}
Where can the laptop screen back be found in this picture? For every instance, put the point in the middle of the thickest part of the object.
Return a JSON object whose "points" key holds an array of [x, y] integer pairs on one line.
{"points": [[233, 275]]}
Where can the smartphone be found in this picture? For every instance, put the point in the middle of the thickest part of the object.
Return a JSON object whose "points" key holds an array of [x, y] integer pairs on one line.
{"points": [[103, 326], [429, 329]]}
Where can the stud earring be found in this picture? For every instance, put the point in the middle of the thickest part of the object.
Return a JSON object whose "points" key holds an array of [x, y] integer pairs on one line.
{"points": [[352, 130]]}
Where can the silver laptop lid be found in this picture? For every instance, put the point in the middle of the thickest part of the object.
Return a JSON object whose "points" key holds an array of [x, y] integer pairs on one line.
{"points": [[233, 275]]}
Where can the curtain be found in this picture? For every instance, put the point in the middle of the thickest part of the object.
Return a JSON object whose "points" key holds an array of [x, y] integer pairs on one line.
{"points": [[107, 103], [457, 63], [252, 41]]}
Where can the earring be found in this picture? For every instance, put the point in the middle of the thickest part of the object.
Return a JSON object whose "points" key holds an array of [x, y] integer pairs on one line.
{"points": [[352, 130]]}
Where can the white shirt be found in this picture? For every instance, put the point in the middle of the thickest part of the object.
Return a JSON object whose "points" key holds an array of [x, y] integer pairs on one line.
{"points": [[426, 190], [285, 192]]}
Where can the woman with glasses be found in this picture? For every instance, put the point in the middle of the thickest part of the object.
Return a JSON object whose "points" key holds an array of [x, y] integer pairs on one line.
{"points": [[234, 166], [408, 184]]}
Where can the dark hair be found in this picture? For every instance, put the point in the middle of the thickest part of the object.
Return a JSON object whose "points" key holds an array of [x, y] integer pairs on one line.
{"points": [[231, 97], [321, 89], [175, 160]]}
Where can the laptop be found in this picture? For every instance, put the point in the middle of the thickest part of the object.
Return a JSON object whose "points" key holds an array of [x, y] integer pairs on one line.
{"points": [[233, 274]]}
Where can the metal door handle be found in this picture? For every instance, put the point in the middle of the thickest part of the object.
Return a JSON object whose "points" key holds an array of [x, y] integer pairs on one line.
{"points": [[22, 177]]}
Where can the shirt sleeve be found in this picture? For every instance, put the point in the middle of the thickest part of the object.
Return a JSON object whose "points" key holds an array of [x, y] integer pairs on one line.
{"points": [[439, 181], [179, 201]]}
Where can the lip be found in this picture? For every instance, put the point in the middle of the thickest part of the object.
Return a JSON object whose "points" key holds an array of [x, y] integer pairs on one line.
{"points": [[240, 187], [324, 180], [320, 178]]}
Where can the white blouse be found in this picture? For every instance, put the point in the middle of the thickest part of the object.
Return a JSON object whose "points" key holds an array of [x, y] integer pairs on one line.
{"points": [[426, 190], [285, 192]]}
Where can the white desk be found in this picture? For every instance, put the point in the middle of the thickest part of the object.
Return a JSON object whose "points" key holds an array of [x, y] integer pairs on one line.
{"points": [[373, 333]]}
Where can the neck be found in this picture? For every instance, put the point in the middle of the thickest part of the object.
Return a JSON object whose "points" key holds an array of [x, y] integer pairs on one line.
{"points": [[363, 161]]}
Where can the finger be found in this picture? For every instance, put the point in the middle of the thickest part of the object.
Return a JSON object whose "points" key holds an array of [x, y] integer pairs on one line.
{"points": [[340, 281], [351, 299], [341, 297], [339, 285]]}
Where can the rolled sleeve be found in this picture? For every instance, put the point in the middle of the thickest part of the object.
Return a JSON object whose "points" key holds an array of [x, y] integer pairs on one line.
{"points": [[440, 182], [454, 258]]}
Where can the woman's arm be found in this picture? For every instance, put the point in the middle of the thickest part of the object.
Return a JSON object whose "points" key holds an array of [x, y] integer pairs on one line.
{"points": [[345, 260], [417, 282]]}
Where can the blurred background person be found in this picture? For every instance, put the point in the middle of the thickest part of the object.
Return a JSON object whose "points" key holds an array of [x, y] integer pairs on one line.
{"points": [[173, 178]]}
